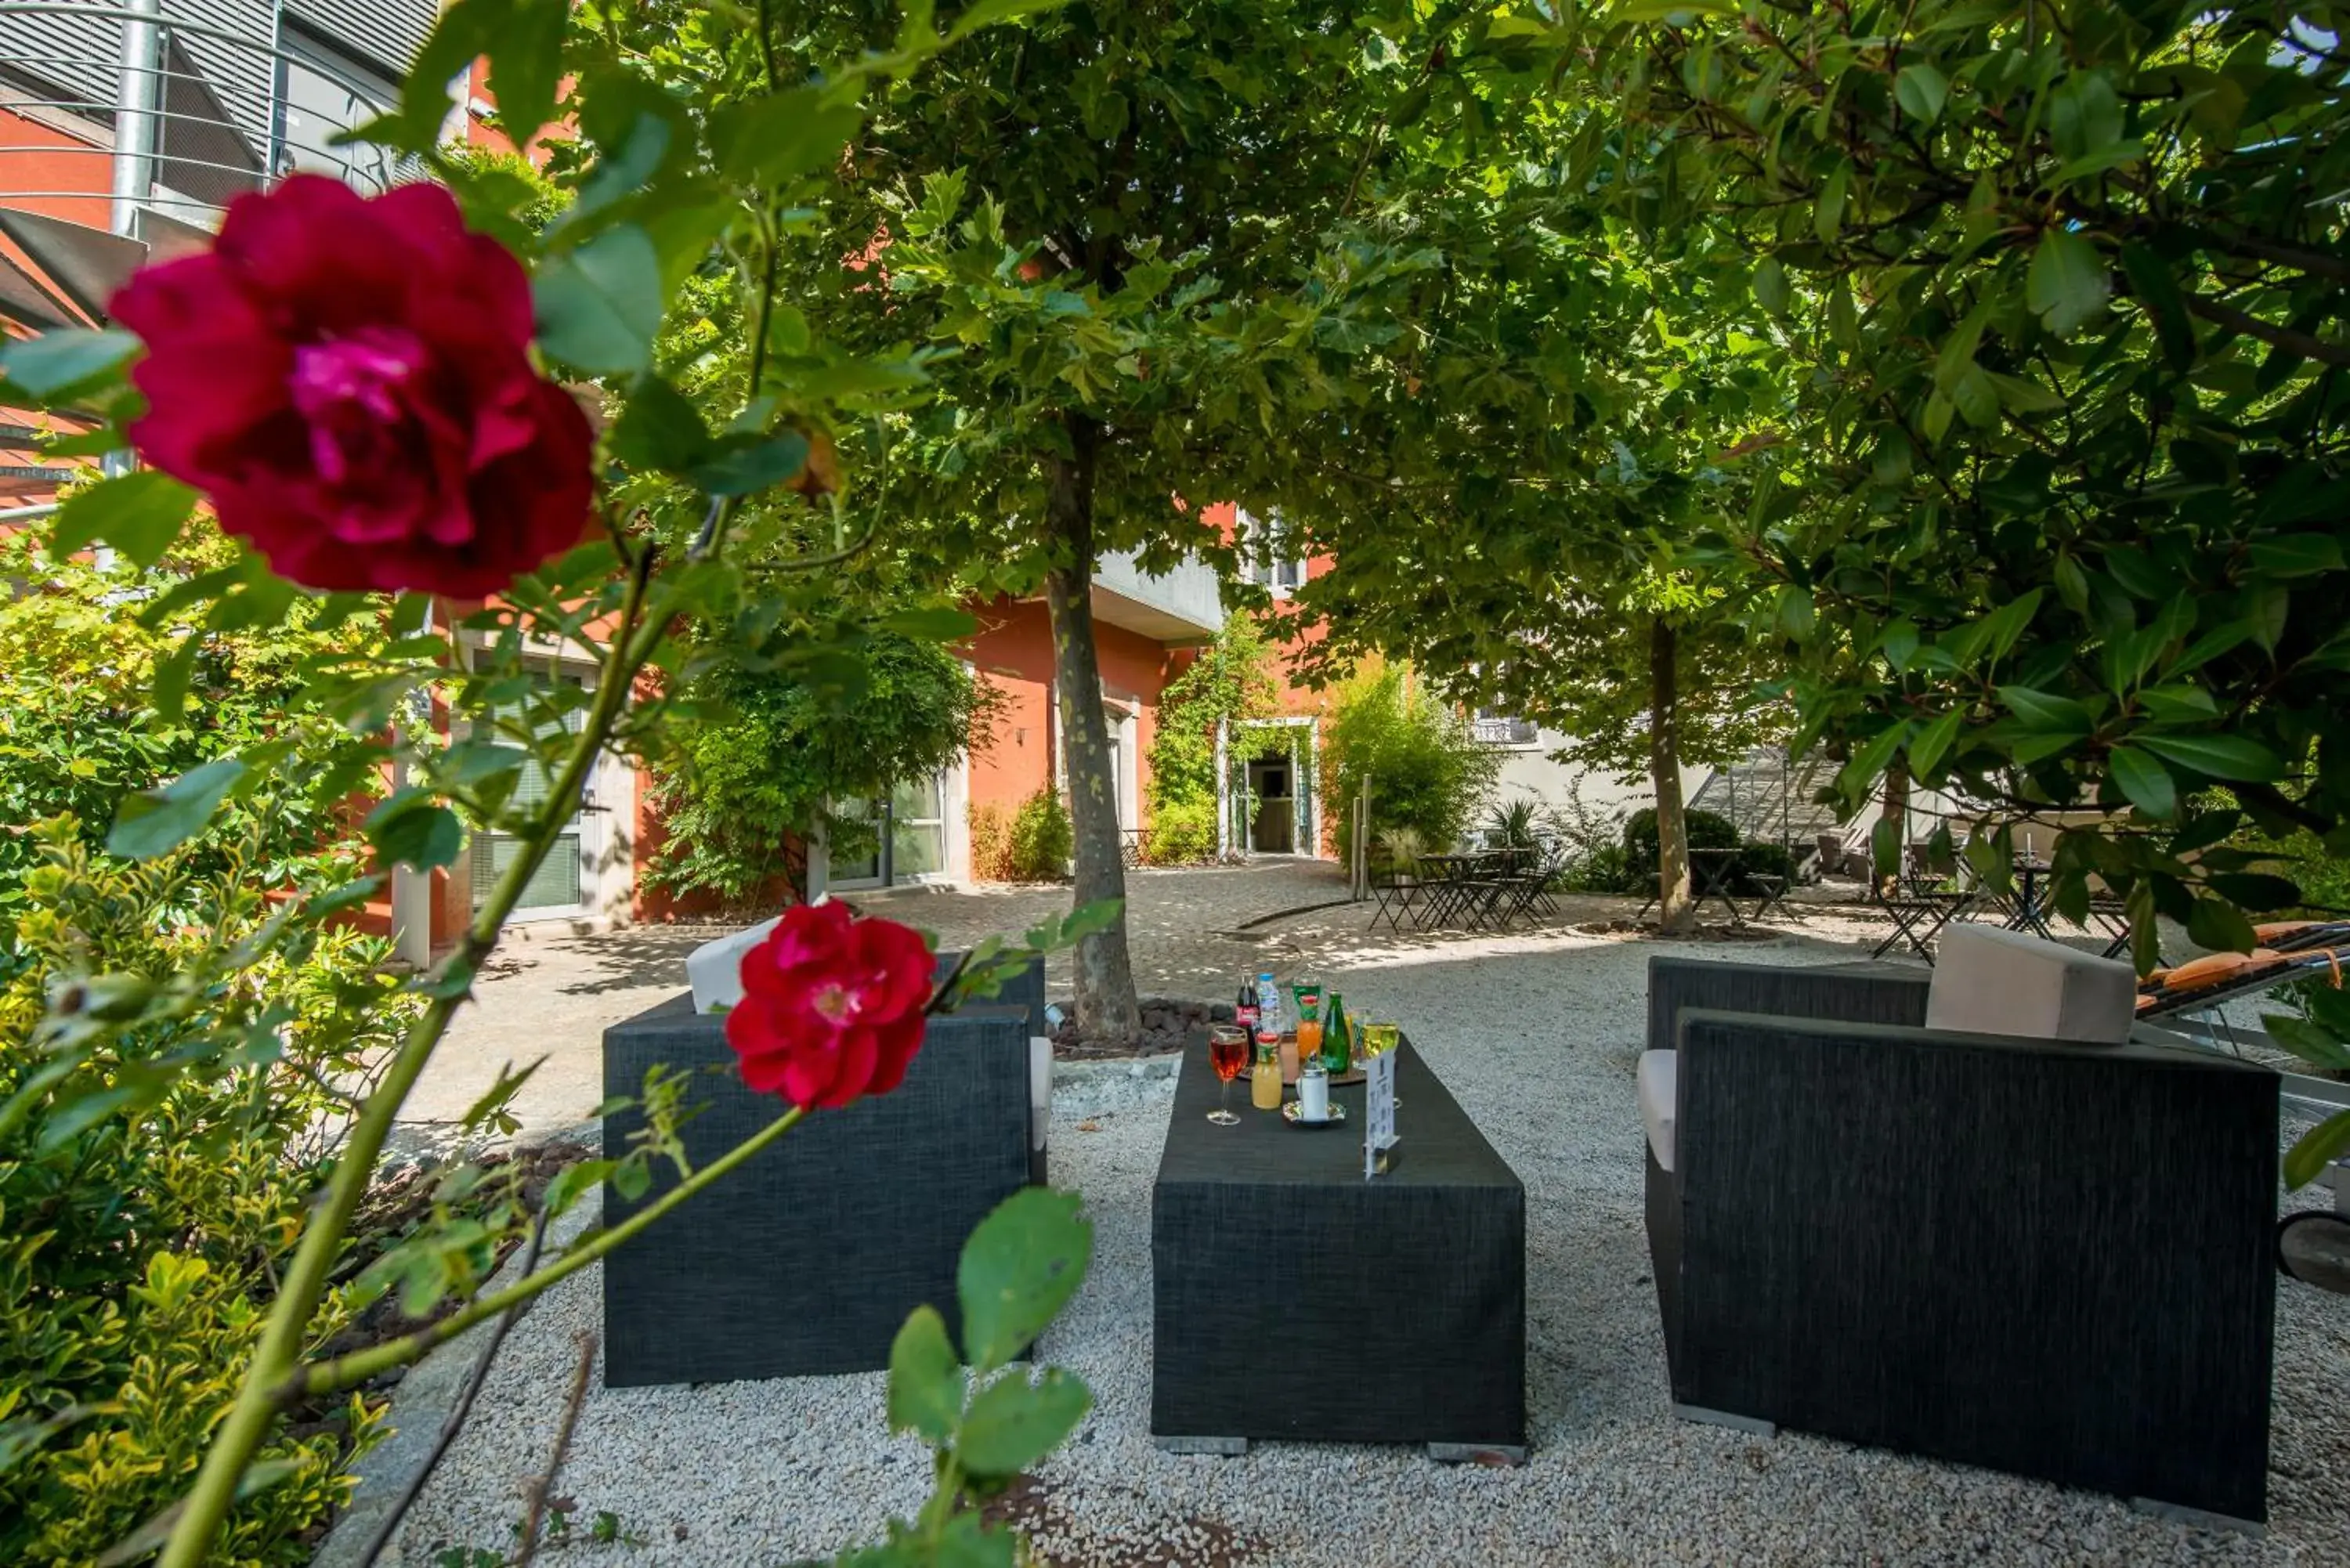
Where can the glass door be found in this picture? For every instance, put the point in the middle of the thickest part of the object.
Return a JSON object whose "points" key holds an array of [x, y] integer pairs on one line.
{"points": [[558, 886], [918, 829]]}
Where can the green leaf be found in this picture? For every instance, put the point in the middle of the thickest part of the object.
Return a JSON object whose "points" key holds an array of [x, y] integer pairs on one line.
{"points": [[1014, 1422], [988, 12], [926, 1380], [2066, 284], [2046, 713], [660, 427], [2216, 924], [2297, 555], [777, 137], [1921, 90], [631, 1180], [744, 465], [1771, 290], [2145, 781], [2257, 890], [413, 829], [2228, 757], [1020, 1268], [1934, 739], [2319, 1148], [62, 365], [934, 623], [1827, 213], [526, 50], [139, 513], [599, 305], [2311, 1042], [2150, 281], [20, 1438], [157, 821]]}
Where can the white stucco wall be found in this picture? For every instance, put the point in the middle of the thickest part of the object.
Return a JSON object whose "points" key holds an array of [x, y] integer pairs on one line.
{"points": [[1529, 770]]}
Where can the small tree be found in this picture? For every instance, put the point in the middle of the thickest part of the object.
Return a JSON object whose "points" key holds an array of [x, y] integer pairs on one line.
{"points": [[1105, 238], [761, 759], [1424, 770]]}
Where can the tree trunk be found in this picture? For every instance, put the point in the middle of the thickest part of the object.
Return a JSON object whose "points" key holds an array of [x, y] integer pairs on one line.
{"points": [[1889, 845], [1675, 912], [1106, 1007]]}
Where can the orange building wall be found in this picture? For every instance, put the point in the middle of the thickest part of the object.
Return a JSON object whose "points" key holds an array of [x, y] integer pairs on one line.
{"points": [[1014, 654], [44, 159]]}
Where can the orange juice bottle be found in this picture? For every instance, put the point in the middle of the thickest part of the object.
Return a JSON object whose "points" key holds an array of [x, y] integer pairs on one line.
{"points": [[1265, 1078], [1309, 1028]]}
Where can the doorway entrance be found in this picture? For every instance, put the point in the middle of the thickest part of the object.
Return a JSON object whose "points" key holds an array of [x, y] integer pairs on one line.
{"points": [[1266, 770], [1273, 827], [565, 883]]}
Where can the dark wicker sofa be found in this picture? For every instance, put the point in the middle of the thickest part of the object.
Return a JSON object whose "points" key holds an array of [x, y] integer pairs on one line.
{"points": [[807, 1258], [2041, 1257]]}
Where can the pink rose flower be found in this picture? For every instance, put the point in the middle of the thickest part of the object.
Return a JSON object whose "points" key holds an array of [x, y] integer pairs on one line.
{"points": [[832, 1006], [349, 381]]}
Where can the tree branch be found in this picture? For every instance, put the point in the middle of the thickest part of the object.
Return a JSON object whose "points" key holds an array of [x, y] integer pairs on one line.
{"points": [[2301, 343]]}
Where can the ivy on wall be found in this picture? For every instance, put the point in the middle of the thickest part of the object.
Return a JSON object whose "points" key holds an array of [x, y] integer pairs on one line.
{"points": [[1232, 679]]}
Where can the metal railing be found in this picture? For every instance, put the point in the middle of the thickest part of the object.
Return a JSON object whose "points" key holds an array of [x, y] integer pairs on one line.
{"points": [[1502, 731], [185, 103]]}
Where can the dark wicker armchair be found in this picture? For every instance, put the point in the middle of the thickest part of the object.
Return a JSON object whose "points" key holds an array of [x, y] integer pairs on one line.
{"points": [[2037, 1256], [807, 1258]]}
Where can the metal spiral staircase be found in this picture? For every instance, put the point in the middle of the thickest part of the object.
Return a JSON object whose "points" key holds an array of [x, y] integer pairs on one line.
{"points": [[1772, 796], [126, 129]]}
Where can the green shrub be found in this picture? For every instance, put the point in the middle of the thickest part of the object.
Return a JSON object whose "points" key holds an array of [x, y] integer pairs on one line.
{"points": [[1706, 831], [1603, 868], [991, 843], [144, 1217], [1424, 769], [760, 759], [1043, 839], [1182, 833], [1513, 824], [1756, 859], [76, 728]]}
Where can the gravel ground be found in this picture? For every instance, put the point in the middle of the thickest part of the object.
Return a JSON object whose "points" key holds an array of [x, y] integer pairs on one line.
{"points": [[1535, 1036]]}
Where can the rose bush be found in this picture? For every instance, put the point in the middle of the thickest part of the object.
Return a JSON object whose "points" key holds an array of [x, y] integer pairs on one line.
{"points": [[355, 387], [351, 382], [832, 1006]]}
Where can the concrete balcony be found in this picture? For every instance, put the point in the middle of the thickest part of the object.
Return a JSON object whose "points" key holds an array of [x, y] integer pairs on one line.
{"points": [[1181, 607]]}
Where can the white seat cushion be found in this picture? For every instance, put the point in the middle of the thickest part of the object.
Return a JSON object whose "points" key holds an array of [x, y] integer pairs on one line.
{"points": [[1992, 981], [1659, 1081], [715, 969], [1040, 1089]]}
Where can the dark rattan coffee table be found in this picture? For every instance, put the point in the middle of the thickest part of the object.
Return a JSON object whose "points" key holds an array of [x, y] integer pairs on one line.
{"points": [[1296, 1301]]}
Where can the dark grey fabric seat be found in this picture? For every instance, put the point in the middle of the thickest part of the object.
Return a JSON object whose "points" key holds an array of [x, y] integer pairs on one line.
{"points": [[2041, 1257], [808, 1257]]}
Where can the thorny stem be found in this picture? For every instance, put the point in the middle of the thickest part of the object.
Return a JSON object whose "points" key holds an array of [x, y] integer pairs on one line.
{"points": [[241, 1433], [350, 1371], [541, 1485]]}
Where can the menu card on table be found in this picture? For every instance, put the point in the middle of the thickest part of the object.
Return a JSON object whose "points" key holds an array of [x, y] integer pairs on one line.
{"points": [[1379, 1121]]}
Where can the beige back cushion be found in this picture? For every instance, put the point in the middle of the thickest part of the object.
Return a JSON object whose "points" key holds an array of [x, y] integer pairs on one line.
{"points": [[1992, 981]]}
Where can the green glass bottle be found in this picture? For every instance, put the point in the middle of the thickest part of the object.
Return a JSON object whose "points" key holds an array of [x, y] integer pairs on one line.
{"points": [[1337, 1048]]}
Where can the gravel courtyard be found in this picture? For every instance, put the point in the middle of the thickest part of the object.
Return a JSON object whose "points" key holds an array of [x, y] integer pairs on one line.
{"points": [[548, 993], [1535, 1036]]}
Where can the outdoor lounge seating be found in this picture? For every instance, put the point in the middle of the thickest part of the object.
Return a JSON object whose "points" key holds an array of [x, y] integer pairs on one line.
{"points": [[808, 1257], [1965, 1218], [2200, 985]]}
